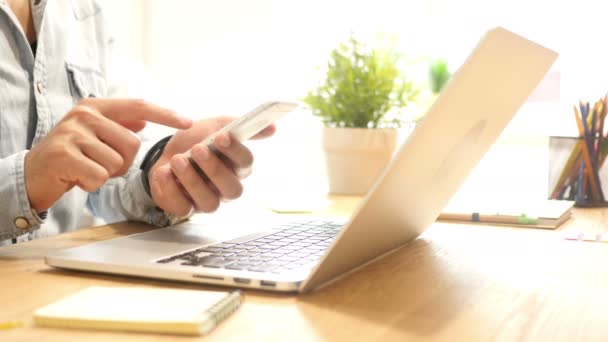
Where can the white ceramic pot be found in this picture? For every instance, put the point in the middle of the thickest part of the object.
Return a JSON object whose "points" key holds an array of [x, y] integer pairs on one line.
{"points": [[355, 157]]}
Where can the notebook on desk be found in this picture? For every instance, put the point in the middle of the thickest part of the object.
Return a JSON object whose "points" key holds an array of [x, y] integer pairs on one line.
{"points": [[547, 214], [140, 309], [465, 120]]}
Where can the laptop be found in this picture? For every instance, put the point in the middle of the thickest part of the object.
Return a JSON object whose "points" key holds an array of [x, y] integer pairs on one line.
{"points": [[308, 253]]}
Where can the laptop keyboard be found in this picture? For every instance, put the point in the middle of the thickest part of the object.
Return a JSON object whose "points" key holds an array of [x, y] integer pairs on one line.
{"points": [[295, 245]]}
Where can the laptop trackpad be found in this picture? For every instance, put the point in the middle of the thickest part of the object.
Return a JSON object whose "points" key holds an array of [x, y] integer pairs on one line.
{"points": [[182, 237], [153, 244]]}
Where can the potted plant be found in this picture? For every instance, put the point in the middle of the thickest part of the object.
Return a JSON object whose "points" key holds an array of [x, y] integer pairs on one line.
{"points": [[360, 102]]}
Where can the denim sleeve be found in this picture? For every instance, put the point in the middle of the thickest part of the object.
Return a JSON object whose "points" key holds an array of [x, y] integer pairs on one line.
{"points": [[124, 198], [15, 209]]}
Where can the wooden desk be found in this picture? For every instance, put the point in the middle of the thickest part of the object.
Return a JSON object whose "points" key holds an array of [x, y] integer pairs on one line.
{"points": [[455, 283]]}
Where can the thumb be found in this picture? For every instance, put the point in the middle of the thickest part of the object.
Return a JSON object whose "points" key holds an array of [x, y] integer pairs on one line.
{"points": [[266, 132]]}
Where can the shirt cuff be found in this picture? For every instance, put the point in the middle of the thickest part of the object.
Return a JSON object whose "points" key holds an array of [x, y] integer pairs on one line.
{"points": [[22, 217]]}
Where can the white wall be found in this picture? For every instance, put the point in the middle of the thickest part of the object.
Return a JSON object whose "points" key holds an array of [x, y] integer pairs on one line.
{"points": [[222, 50], [220, 41]]}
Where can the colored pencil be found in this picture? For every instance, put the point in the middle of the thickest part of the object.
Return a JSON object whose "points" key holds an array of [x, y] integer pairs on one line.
{"points": [[570, 168], [595, 191], [601, 130]]}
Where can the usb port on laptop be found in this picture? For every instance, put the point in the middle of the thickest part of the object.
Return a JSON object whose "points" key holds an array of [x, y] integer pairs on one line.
{"points": [[268, 283], [241, 281]]}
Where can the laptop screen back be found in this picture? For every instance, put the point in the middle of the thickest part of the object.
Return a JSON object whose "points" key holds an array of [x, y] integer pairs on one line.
{"points": [[465, 120]]}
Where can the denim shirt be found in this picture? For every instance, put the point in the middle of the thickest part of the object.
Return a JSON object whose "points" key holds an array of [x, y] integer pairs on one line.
{"points": [[71, 62]]}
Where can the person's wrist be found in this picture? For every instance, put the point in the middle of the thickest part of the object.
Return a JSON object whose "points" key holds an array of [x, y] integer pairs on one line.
{"points": [[35, 197], [33, 190]]}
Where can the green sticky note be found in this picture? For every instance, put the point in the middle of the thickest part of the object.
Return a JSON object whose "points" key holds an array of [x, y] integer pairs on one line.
{"points": [[525, 219]]}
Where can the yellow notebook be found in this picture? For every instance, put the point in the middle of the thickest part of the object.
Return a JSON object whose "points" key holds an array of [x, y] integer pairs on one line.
{"points": [[172, 311]]}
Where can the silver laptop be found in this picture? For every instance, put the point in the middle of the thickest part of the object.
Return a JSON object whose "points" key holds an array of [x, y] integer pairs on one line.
{"points": [[305, 254]]}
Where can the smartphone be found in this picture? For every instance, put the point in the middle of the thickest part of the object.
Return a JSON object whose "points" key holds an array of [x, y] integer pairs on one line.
{"points": [[253, 122]]}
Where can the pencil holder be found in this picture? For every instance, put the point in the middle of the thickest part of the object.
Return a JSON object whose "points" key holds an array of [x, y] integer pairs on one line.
{"points": [[577, 161], [576, 175]]}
